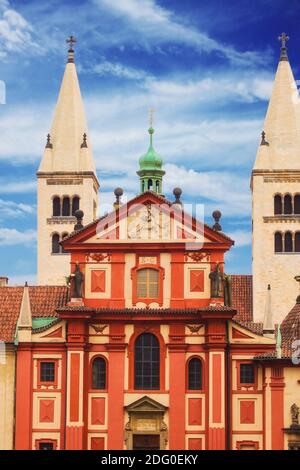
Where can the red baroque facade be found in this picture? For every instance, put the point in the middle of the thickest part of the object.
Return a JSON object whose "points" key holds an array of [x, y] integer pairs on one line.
{"points": [[146, 358]]}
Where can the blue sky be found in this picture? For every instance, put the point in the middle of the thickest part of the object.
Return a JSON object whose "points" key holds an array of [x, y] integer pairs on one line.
{"points": [[206, 67]]}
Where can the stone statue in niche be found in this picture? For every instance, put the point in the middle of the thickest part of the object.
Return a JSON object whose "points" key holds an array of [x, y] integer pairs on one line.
{"points": [[77, 283], [216, 278], [295, 414], [227, 287]]}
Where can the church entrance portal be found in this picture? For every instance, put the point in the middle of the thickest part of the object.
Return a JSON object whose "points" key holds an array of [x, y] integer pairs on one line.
{"points": [[146, 429]]}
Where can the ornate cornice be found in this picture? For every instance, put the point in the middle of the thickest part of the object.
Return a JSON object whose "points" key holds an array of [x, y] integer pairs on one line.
{"points": [[60, 181], [282, 218], [61, 220]]}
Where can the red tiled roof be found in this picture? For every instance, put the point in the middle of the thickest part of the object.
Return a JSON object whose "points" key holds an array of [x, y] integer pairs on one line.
{"points": [[290, 329], [44, 300], [146, 311], [10, 303], [242, 296]]}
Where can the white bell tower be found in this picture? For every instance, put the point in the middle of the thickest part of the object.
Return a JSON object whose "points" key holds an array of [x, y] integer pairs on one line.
{"points": [[276, 198], [66, 178]]}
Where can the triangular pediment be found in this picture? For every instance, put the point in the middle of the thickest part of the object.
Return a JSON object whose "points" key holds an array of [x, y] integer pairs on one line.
{"points": [[146, 405], [148, 218]]}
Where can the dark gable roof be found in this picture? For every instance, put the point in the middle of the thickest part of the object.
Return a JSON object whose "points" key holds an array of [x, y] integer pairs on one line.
{"points": [[252, 326], [290, 332], [242, 296], [290, 329], [44, 300]]}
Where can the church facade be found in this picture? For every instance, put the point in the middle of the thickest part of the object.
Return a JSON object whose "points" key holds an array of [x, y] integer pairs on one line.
{"points": [[135, 337]]}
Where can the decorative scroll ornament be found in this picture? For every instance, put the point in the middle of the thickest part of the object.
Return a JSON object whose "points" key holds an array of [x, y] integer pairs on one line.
{"points": [[197, 256], [97, 257], [194, 328], [99, 328]]}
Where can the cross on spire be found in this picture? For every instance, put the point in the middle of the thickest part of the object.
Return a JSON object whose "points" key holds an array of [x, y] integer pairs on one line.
{"points": [[71, 41], [283, 52], [283, 38], [151, 112]]}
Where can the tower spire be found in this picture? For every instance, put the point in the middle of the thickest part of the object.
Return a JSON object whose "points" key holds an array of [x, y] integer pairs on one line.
{"points": [[69, 127], [151, 171], [280, 143], [268, 327]]}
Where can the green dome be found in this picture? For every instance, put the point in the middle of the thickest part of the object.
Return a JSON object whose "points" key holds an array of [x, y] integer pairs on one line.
{"points": [[151, 160]]}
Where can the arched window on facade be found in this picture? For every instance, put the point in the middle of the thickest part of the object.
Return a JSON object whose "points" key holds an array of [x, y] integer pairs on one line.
{"points": [[99, 374], [150, 184], [194, 374], [55, 243], [297, 242], [277, 204], [288, 242], [147, 283], [287, 205], [297, 204], [56, 206], [75, 204], [66, 206], [278, 242], [64, 235], [146, 362]]}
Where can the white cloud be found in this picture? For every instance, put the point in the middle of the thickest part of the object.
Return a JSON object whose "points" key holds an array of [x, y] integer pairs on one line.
{"points": [[241, 238], [14, 209], [119, 70], [157, 25], [216, 189], [24, 130], [11, 237], [17, 187], [16, 34], [232, 88]]}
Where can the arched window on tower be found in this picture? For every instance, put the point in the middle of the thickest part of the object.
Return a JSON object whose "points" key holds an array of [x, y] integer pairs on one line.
{"points": [[277, 204], [64, 235], [56, 206], [146, 362], [157, 186], [278, 242], [150, 184], [99, 374], [55, 243], [75, 204], [297, 204], [297, 242], [288, 207], [66, 207], [288, 242], [194, 374]]}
